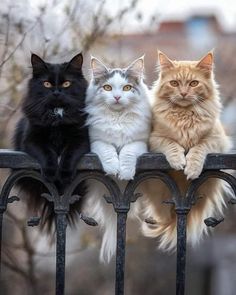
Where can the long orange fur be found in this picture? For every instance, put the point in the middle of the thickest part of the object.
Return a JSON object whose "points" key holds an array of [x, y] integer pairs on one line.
{"points": [[186, 127]]}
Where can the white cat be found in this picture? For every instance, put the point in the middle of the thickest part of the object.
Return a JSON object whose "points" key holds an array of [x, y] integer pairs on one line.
{"points": [[119, 118]]}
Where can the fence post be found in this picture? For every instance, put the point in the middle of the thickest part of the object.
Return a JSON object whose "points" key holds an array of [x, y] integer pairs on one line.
{"points": [[181, 250], [120, 251], [61, 224]]}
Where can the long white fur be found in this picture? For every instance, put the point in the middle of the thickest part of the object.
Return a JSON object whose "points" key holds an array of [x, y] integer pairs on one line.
{"points": [[119, 134]]}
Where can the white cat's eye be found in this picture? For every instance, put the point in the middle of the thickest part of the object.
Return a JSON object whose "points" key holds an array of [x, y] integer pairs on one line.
{"points": [[174, 83], [127, 87], [47, 84], [107, 87], [66, 84], [194, 83]]}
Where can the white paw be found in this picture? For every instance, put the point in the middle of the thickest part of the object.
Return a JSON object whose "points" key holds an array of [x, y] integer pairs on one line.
{"points": [[111, 167], [126, 173], [194, 166], [177, 159]]}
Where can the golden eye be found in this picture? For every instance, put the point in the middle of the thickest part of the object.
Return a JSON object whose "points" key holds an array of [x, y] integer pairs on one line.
{"points": [[66, 84], [127, 87], [107, 87], [194, 83], [174, 83], [47, 84]]}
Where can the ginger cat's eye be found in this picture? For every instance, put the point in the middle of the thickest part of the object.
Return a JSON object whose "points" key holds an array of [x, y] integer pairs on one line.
{"points": [[127, 87], [194, 83], [107, 87], [174, 83], [66, 84], [47, 84]]}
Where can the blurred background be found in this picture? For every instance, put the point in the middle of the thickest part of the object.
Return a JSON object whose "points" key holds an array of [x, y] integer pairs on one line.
{"points": [[116, 32]]}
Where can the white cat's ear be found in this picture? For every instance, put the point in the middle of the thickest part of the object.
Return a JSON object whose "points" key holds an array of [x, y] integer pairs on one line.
{"points": [[164, 61], [137, 67], [206, 62], [98, 68]]}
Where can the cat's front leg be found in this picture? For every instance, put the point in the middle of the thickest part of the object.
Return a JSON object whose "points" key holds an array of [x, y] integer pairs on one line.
{"points": [[108, 156], [175, 153], [128, 158], [70, 158], [46, 157], [195, 159]]}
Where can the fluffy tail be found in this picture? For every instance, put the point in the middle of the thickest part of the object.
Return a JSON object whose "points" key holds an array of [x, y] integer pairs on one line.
{"points": [[31, 190], [105, 215], [211, 202]]}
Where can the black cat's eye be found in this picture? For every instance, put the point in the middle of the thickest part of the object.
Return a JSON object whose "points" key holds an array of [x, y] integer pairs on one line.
{"points": [[174, 83], [47, 84], [194, 83], [127, 87], [107, 87], [66, 84]]}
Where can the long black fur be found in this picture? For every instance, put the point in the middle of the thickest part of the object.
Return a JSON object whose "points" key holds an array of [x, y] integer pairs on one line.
{"points": [[56, 142]]}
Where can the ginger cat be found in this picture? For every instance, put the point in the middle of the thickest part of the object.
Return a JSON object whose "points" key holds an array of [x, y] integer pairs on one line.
{"points": [[186, 127]]}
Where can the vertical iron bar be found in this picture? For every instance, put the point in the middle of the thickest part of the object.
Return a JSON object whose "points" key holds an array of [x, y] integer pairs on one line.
{"points": [[120, 251], [61, 223], [181, 250]]}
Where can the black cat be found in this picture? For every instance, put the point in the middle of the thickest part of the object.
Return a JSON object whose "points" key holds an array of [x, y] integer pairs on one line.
{"points": [[53, 129]]}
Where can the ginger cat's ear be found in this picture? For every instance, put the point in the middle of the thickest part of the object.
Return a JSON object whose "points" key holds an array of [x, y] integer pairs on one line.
{"points": [[164, 60], [206, 62]]}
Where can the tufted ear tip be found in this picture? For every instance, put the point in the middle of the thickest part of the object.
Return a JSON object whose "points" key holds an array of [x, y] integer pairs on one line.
{"points": [[164, 60], [98, 68], [77, 61], [137, 67], [207, 61]]}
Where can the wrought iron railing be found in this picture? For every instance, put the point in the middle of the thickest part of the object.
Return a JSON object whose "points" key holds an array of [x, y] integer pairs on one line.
{"points": [[148, 166]]}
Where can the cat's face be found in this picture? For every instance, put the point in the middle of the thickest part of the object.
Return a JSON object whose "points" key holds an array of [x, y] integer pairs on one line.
{"points": [[116, 89], [56, 91], [185, 83]]}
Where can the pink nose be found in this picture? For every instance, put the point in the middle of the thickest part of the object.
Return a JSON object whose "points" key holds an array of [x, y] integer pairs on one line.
{"points": [[183, 94], [117, 98]]}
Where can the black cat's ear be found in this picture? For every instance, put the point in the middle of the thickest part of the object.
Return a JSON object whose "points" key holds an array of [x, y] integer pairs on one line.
{"points": [[37, 63], [76, 62]]}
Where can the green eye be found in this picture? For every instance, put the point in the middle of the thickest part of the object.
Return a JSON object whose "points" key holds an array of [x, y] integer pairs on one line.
{"points": [[66, 84], [174, 83], [194, 83], [127, 87], [47, 84], [107, 87]]}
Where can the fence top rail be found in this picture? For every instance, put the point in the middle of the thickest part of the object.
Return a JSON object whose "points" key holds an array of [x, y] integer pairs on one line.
{"points": [[149, 161]]}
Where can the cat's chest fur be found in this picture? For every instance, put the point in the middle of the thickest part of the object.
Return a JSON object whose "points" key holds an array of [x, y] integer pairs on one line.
{"points": [[186, 127], [57, 138], [119, 128]]}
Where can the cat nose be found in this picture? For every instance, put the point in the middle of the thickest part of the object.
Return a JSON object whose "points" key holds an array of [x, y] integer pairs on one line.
{"points": [[183, 94], [117, 98], [56, 92]]}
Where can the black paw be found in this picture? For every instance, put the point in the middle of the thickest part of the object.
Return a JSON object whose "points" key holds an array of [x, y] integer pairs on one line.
{"points": [[49, 173]]}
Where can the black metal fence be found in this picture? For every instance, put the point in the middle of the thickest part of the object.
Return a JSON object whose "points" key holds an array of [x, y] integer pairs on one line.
{"points": [[148, 166]]}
